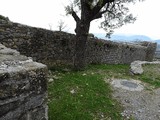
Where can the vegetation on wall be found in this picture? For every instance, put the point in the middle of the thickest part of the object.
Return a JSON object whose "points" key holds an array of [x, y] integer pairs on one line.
{"points": [[3, 18]]}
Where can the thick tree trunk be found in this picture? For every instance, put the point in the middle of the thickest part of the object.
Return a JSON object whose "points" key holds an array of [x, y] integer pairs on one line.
{"points": [[82, 30]]}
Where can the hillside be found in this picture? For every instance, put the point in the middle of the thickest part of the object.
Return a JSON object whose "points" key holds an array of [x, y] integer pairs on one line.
{"points": [[122, 37], [131, 38], [126, 38]]}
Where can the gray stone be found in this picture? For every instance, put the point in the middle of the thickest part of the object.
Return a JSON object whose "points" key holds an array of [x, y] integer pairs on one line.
{"points": [[57, 48], [23, 87], [131, 85], [9, 51], [136, 66]]}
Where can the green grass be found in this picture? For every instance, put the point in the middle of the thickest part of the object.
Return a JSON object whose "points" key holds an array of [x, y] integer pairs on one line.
{"points": [[85, 95], [82, 96], [111, 71], [151, 75]]}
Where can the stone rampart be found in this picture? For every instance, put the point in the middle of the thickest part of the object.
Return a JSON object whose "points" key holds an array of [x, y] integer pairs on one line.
{"points": [[42, 45], [51, 48], [151, 49], [102, 51], [23, 87]]}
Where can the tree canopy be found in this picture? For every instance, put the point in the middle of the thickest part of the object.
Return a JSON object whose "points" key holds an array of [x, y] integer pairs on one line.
{"points": [[115, 13]]}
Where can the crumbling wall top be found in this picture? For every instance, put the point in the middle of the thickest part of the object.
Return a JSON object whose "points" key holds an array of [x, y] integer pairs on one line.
{"points": [[11, 61]]}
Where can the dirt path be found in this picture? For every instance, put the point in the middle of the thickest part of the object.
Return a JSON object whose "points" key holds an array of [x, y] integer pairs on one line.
{"points": [[140, 104]]}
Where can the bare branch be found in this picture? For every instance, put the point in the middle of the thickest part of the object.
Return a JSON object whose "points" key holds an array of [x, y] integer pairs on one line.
{"points": [[100, 5], [99, 15], [75, 16], [61, 25]]}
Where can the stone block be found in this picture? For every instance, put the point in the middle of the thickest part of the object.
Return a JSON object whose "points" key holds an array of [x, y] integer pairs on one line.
{"points": [[23, 87]]}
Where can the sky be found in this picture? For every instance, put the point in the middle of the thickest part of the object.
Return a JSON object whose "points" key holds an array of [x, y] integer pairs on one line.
{"points": [[47, 14]]}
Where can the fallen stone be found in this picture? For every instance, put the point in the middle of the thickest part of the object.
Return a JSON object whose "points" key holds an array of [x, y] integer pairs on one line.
{"points": [[136, 66]]}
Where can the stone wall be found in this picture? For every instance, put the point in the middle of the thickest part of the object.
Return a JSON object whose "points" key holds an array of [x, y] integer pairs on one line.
{"points": [[151, 49], [102, 51], [51, 48], [42, 45], [23, 87]]}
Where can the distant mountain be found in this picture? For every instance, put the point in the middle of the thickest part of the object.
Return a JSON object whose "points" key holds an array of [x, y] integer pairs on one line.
{"points": [[125, 38], [131, 38], [158, 41]]}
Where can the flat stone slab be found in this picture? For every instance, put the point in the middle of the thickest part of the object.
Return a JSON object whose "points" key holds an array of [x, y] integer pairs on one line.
{"points": [[131, 85]]}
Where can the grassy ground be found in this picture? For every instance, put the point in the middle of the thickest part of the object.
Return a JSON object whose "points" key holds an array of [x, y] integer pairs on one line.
{"points": [[151, 75], [86, 96]]}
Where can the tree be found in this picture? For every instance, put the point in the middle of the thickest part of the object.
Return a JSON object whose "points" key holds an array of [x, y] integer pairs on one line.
{"points": [[61, 25], [50, 26], [114, 12]]}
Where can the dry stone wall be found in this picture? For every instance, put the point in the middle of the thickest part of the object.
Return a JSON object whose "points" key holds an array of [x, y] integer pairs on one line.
{"points": [[102, 51], [42, 45], [23, 87], [52, 48]]}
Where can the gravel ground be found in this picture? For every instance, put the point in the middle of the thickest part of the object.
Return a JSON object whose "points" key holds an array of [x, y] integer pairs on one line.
{"points": [[139, 105]]}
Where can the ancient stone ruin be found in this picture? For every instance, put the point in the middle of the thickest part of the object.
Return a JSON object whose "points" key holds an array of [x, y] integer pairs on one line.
{"points": [[51, 47], [23, 87], [23, 83]]}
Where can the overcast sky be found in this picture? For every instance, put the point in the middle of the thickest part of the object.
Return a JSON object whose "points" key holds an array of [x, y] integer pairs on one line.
{"points": [[47, 13]]}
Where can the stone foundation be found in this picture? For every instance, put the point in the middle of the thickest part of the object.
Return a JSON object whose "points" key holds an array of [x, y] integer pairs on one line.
{"points": [[23, 87]]}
